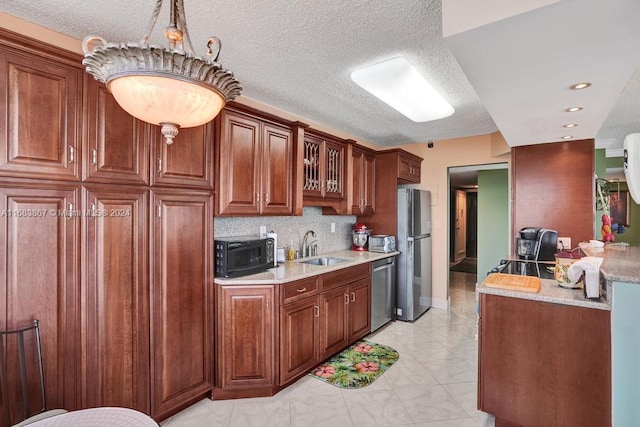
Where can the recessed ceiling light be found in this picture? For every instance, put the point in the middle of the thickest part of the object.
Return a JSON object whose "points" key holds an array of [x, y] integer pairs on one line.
{"points": [[578, 86], [567, 137], [400, 85], [569, 125], [573, 109]]}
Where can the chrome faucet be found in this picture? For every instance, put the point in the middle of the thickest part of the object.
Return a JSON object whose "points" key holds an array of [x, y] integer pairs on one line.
{"points": [[305, 245]]}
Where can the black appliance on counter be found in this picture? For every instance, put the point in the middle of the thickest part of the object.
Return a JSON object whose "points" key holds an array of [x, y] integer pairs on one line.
{"points": [[241, 256], [543, 270], [537, 244]]}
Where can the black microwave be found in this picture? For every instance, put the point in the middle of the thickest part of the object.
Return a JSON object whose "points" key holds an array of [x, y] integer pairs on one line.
{"points": [[241, 256]]}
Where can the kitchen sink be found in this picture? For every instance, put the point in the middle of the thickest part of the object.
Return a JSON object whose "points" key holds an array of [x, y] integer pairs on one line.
{"points": [[324, 261]]}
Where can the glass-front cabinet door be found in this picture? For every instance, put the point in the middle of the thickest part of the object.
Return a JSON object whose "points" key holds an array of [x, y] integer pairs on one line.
{"points": [[323, 168]]}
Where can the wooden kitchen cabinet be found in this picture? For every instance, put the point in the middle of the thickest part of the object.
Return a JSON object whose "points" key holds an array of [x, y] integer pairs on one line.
{"points": [[245, 337], [116, 336], [255, 166], [299, 343], [405, 165], [408, 167], [323, 172], [334, 332], [41, 110], [116, 145], [39, 279], [188, 162], [345, 308], [359, 321], [543, 364], [259, 352], [364, 181], [181, 298], [389, 164]]}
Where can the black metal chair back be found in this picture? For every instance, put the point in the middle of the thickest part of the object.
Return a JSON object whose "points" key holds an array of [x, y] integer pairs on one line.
{"points": [[6, 338]]}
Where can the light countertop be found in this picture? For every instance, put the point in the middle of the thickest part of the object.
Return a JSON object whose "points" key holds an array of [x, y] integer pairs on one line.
{"points": [[289, 271], [620, 264], [551, 292]]}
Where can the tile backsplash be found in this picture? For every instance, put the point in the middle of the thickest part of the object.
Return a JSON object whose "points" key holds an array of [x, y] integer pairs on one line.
{"points": [[293, 228]]}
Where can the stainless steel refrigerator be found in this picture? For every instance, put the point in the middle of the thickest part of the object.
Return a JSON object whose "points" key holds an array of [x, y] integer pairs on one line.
{"points": [[414, 262]]}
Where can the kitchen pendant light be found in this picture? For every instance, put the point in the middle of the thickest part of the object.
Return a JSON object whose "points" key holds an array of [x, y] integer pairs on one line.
{"points": [[168, 87]]}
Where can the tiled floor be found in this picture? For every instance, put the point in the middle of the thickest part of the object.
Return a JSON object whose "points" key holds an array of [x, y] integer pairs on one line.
{"points": [[433, 384]]}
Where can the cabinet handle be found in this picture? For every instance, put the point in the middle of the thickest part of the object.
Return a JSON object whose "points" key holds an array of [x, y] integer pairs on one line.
{"points": [[317, 311], [72, 154], [353, 297], [267, 303], [159, 165], [94, 156], [346, 298], [93, 210], [266, 198], [257, 198], [159, 211], [301, 290]]}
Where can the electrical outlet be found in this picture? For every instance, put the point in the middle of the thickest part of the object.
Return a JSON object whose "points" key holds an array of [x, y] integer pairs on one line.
{"points": [[333, 227], [263, 231], [564, 243]]}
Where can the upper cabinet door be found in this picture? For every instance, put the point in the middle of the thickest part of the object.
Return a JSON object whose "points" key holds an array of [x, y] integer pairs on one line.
{"points": [[277, 170], [334, 170], [238, 165], [323, 173], [188, 162], [116, 145], [369, 183], [40, 114]]}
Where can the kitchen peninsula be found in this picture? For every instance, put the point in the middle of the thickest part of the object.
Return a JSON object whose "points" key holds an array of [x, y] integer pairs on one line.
{"points": [[556, 358], [273, 327]]}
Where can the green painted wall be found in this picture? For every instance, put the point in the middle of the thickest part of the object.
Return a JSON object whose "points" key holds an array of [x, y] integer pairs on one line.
{"points": [[493, 219], [632, 234]]}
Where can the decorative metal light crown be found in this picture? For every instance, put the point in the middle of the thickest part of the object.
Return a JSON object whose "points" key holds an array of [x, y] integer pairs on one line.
{"points": [[170, 87]]}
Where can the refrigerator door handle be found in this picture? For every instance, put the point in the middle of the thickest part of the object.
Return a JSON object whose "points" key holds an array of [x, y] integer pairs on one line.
{"points": [[409, 239]]}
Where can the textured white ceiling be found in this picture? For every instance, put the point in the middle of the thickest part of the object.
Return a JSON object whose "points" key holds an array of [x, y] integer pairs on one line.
{"points": [[297, 56]]}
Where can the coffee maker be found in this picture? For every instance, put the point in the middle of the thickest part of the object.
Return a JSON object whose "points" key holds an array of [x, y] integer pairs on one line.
{"points": [[537, 244]]}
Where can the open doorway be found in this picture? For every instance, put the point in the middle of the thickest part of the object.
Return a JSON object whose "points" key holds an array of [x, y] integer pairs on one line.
{"points": [[478, 217]]}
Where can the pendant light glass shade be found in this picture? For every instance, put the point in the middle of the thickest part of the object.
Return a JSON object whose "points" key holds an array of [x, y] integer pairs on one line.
{"points": [[167, 87]]}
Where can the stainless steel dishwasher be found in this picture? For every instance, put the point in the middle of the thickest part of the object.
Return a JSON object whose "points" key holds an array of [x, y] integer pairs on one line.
{"points": [[383, 292]]}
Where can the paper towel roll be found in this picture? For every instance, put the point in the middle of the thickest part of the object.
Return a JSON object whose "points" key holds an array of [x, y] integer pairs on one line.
{"points": [[274, 236]]}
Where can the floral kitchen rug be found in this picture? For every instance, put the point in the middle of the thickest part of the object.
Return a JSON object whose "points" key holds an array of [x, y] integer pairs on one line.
{"points": [[357, 366]]}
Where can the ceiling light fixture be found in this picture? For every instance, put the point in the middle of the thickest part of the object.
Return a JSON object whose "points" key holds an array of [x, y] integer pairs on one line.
{"points": [[573, 109], [400, 85], [579, 86], [567, 137], [569, 125], [170, 87]]}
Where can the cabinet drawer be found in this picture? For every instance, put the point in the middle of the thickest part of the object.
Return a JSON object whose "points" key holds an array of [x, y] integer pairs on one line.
{"points": [[299, 289], [346, 275]]}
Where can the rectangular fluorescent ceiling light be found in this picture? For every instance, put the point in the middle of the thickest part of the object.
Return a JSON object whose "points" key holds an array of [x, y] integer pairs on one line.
{"points": [[397, 83]]}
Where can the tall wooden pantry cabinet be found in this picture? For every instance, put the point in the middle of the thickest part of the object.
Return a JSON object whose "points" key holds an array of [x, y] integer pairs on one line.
{"points": [[105, 237]]}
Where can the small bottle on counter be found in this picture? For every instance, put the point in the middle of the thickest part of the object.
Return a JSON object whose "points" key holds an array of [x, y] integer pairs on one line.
{"points": [[291, 251]]}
